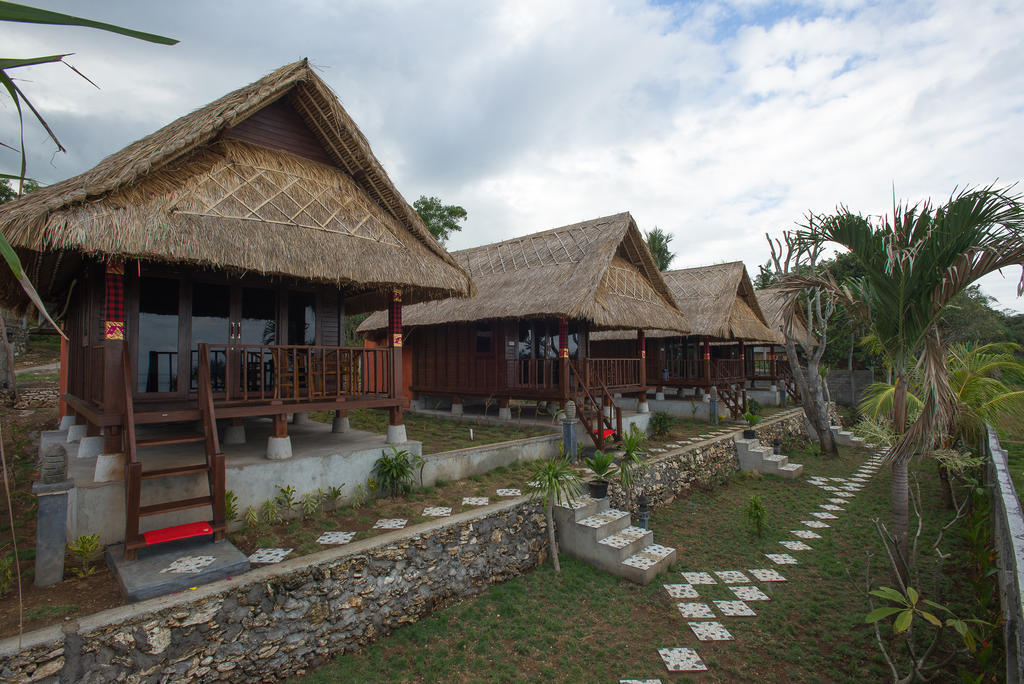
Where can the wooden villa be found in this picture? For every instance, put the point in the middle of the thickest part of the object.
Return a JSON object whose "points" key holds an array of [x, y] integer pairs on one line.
{"points": [[526, 333], [204, 273], [770, 360], [724, 316]]}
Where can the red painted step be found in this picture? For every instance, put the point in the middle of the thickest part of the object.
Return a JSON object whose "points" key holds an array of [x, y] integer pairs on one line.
{"points": [[606, 433], [168, 534]]}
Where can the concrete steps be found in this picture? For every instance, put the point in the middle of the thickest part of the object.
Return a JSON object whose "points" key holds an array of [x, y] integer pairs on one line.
{"points": [[846, 438], [604, 537], [753, 456]]}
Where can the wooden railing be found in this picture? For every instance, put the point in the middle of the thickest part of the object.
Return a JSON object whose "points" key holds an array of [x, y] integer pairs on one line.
{"points": [[613, 374], [763, 368], [782, 368], [261, 373], [533, 374], [727, 369]]}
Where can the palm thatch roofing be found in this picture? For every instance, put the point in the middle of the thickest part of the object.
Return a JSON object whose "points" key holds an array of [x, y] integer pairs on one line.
{"points": [[598, 271], [193, 193], [718, 301], [772, 304]]}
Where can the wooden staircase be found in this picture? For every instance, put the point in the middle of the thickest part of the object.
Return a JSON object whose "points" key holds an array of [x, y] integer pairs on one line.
{"points": [[596, 409], [734, 399], [792, 391], [134, 473]]}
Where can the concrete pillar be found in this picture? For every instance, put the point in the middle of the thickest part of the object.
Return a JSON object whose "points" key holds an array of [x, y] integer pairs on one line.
{"points": [[456, 408], [569, 437], [340, 424], [109, 467], [90, 446], [301, 419], [77, 432], [641, 405], [504, 413], [279, 446], [234, 432], [66, 422], [396, 434], [51, 531]]}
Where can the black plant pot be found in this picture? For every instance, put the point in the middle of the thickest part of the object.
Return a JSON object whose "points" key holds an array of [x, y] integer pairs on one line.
{"points": [[598, 488], [749, 434]]}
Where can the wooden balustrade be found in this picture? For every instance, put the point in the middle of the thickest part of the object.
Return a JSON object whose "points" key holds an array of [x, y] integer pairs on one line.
{"points": [[613, 373]]}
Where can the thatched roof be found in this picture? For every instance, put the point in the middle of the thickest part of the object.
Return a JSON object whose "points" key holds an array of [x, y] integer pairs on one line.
{"points": [[718, 301], [598, 271], [772, 303], [192, 193]]}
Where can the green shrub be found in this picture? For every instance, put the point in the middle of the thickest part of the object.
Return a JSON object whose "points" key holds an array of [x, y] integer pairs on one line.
{"points": [[601, 464], [394, 472], [270, 513], [230, 506], [751, 418], [660, 424], [252, 518], [285, 499], [754, 406], [85, 549], [756, 514]]}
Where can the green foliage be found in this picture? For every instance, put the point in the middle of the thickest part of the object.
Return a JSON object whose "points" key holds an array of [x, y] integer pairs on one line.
{"points": [[756, 514], [269, 512], [660, 423], [751, 419], [394, 472], [334, 493], [554, 480], [285, 498], [252, 518], [910, 605], [85, 549], [602, 465], [230, 506], [441, 219], [658, 244], [754, 406], [311, 502], [7, 566], [631, 465]]}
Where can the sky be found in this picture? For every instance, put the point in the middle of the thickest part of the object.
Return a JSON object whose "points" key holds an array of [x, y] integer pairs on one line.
{"points": [[718, 122]]}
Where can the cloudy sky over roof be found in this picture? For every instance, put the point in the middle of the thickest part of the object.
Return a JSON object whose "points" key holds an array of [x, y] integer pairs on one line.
{"points": [[717, 122]]}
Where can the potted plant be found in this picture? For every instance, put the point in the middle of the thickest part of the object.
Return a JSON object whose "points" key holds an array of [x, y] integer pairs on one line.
{"points": [[752, 420], [603, 467]]}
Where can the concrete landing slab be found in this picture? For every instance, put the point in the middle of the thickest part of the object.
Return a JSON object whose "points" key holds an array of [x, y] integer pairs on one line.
{"points": [[173, 567]]}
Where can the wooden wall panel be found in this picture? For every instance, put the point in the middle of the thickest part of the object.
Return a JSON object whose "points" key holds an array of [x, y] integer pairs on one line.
{"points": [[279, 126]]}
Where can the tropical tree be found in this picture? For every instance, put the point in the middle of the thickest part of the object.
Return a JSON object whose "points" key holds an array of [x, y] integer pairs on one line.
{"points": [[657, 242], [441, 219], [555, 481], [915, 262]]}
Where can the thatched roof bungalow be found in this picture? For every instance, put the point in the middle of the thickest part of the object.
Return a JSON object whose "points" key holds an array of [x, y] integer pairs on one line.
{"points": [[207, 269], [525, 334]]}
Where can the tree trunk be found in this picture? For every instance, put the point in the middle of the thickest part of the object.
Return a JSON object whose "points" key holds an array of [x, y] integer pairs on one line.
{"points": [[552, 544], [900, 515], [813, 400]]}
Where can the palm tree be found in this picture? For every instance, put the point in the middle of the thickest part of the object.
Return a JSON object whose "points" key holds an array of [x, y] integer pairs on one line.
{"points": [[556, 482], [657, 243], [914, 263]]}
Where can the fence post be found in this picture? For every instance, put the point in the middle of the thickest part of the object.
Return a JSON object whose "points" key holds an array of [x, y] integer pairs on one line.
{"points": [[569, 437]]}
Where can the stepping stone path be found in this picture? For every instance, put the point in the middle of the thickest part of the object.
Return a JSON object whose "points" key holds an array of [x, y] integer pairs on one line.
{"points": [[269, 555], [437, 511], [475, 501], [336, 537], [700, 614], [509, 492], [390, 524]]}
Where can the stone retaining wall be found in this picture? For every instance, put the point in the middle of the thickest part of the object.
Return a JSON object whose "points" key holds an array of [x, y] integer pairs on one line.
{"points": [[703, 465], [36, 397], [280, 621]]}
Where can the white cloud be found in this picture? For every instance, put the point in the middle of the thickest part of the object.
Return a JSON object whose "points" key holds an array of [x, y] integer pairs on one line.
{"points": [[715, 121]]}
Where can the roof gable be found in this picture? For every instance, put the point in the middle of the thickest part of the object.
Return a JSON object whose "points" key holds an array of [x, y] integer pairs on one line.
{"points": [[719, 301], [279, 126]]}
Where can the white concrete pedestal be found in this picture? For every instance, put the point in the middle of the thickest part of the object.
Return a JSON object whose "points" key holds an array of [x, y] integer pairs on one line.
{"points": [[504, 413], [66, 422], [279, 448], [642, 407], [109, 468], [456, 409], [340, 424], [659, 396], [396, 434], [301, 419], [77, 432], [90, 446], [234, 434]]}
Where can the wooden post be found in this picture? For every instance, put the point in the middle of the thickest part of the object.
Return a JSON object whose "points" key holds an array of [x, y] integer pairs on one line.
{"points": [[707, 361], [641, 344], [743, 364], [772, 370], [395, 339], [62, 408], [281, 425], [113, 351], [563, 358]]}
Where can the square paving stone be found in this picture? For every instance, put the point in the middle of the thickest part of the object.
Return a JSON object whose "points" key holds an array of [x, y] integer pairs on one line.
{"points": [[806, 534], [681, 591], [750, 594], [188, 565], [695, 610], [710, 631], [781, 558], [732, 576], [824, 515], [832, 507], [838, 502], [682, 660], [639, 681], [269, 555], [796, 545], [390, 524], [816, 524], [831, 489], [475, 501], [844, 495], [437, 511], [734, 609], [699, 578], [767, 575], [336, 537], [509, 492]]}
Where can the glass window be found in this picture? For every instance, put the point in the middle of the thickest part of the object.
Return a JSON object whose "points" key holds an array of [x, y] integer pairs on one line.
{"points": [[211, 317], [483, 338], [259, 316], [525, 340], [158, 335], [301, 318]]}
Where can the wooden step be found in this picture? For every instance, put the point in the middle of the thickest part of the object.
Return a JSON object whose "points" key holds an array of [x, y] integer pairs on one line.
{"points": [[171, 472], [171, 506], [177, 439]]}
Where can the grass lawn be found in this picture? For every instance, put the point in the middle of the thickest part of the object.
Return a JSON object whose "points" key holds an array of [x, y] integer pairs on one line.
{"points": [[439, 434], [586, 625]]}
